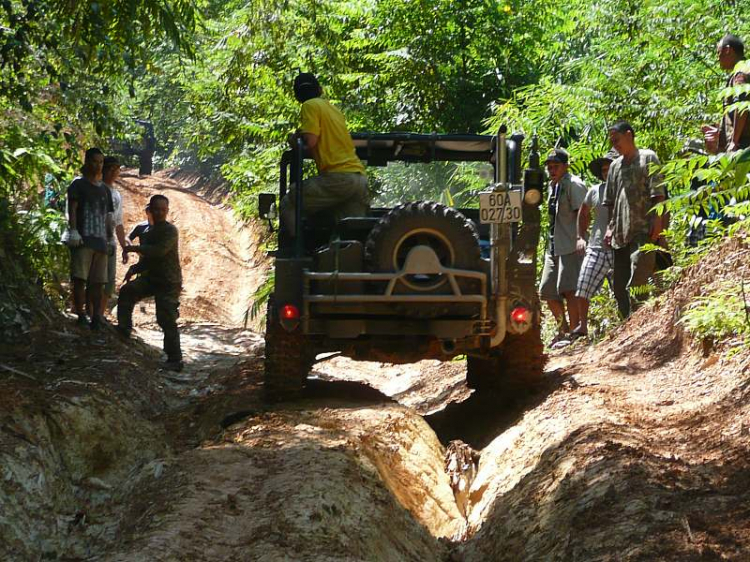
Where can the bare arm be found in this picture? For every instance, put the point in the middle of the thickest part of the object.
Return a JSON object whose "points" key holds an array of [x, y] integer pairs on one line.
{"points": [[72, 210], [584, 217], [740, 121], [657, 222], [311, 141], [120, 233]]}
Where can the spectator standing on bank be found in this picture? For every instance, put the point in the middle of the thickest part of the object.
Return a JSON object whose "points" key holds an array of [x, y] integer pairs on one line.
{"points": [[562, 263], [115, 228], [89, 202], [733, 132], [631, 192], [597, 260], [160, 276]]}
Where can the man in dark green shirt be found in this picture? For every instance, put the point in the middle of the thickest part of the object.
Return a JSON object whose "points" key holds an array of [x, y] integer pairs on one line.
{"points": [[159, 276]]}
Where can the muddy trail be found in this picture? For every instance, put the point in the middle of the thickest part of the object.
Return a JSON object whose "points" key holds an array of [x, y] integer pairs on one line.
{"points": [[633, 449]]}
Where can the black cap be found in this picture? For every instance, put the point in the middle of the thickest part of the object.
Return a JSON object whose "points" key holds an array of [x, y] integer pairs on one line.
{"points": [[306, 86], [596, 165], [557, 155], [305, 79]]}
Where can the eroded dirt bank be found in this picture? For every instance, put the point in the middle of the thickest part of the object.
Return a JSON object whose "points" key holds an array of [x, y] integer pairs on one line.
{"points": [[636, 449], [640, 454]]}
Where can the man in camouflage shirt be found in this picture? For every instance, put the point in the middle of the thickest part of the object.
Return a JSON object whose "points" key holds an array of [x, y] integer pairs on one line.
{"points": [[160, 276], [631, 192]]}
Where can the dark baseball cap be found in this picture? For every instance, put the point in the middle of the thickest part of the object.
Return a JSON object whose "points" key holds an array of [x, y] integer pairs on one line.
{"points": [[596, 165], [306, 79], [557, 155]]}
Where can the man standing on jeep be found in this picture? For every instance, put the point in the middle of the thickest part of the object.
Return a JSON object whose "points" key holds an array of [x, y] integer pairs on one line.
{"points": [[631, 192], [340, 188], [562, 263]]}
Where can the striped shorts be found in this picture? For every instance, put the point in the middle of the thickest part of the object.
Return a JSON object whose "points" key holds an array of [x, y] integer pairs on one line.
{"points": [[597, 264]]}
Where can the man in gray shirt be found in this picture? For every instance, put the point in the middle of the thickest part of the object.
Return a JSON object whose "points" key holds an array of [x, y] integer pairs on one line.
{"points": [[561, 261], [597, 260]]}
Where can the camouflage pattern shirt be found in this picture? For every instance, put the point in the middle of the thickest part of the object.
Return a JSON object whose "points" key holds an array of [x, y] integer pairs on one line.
{"points": [[629, 192], [160, 263]]}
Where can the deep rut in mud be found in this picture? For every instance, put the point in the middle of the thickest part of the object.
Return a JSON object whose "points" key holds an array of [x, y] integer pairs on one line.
{"points": [[636, 449]]}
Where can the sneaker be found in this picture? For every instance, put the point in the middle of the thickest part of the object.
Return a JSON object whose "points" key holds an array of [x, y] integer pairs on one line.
{"points": [[123, 332], [575, 335], [82, 320], [175, 366], [561, 336], [97, 324]]}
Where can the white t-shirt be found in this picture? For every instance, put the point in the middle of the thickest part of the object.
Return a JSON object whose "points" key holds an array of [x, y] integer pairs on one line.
{"points": [[117, 215]]}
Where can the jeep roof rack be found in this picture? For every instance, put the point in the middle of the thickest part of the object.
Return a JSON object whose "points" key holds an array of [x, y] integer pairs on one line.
{"points": [[380, 148]]}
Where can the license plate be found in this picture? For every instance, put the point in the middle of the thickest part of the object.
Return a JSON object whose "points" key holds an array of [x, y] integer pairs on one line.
{"points": [[500, 207]]}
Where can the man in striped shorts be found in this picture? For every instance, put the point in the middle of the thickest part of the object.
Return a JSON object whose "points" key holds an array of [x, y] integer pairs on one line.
{"points": [[598, 260]]}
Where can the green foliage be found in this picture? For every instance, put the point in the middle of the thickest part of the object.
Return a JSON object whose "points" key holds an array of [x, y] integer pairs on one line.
{"points": [[66, 68], [450, 183], [260, 298], [215, 79], [721, 314]]}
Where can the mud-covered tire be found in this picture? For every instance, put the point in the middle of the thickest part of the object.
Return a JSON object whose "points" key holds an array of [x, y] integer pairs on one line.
{"points": [[518, 365], [453, 237], [287, 362]]}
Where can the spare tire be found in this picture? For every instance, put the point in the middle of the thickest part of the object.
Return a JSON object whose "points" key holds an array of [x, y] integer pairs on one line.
{"points": [[452, 237]]}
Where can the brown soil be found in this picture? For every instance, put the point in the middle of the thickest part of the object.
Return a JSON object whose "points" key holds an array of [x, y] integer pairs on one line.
{"points": [[222, 262], [633, 449]]}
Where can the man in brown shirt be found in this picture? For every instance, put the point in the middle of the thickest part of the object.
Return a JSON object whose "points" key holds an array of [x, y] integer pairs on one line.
{"points": [[733, 133]]}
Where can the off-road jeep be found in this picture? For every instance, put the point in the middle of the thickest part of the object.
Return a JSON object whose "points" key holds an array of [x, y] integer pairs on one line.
{"points": [[419, 280]]}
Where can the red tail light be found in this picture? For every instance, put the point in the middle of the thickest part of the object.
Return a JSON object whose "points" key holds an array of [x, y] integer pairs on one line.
{"points": [[289, 312], [520, 315]]}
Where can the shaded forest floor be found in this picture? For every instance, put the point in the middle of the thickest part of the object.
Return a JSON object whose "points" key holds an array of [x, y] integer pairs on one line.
{"points": [[633, 449]]}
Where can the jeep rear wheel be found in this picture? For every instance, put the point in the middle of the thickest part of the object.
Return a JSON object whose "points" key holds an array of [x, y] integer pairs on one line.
{"points": [[449, 234], [288, 360]]}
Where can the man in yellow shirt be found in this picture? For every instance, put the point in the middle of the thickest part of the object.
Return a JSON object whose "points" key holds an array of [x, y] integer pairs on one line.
{"points": [[340, 188]]}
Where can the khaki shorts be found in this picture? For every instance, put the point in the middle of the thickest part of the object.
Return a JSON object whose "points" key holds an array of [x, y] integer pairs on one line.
{"points": [[560, 276], [88, 264], [343, 194]]}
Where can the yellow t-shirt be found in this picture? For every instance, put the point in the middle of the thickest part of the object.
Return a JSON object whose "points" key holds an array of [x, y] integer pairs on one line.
{"points": [[335, 150]]}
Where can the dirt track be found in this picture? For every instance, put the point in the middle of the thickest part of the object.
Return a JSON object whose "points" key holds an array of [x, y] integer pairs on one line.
{"points": [[636, 449]]}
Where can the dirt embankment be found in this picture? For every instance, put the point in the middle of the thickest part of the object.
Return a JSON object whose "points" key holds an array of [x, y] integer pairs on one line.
{"points": [[635, 449], [222, 261]]}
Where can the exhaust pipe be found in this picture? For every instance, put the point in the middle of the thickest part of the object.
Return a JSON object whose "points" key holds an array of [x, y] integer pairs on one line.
{"points": [[448, 346], [499, 234]]}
